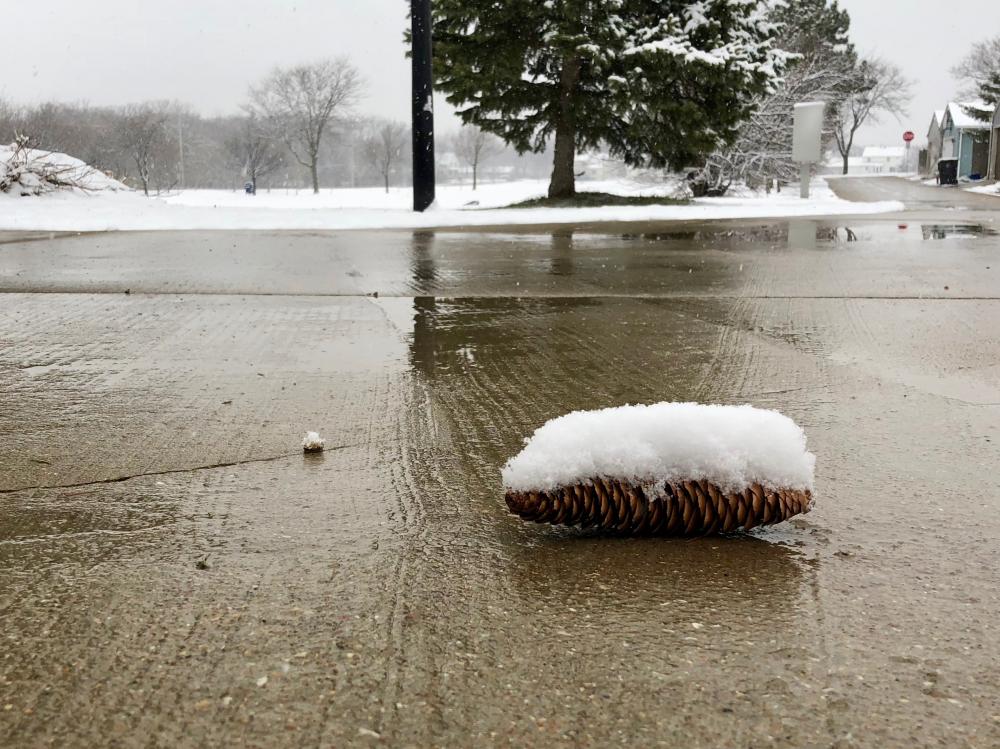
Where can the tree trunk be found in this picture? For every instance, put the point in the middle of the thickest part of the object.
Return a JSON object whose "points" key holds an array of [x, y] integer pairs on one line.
{"points": [[846, 153], [315, 176], [475, 176], [563, 182], [387, 183]]}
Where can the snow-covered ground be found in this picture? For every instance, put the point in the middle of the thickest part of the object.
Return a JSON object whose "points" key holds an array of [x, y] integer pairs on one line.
{"points": [[871, 175], [990, 188], [993, 188], [374, 209], [109, 209]]}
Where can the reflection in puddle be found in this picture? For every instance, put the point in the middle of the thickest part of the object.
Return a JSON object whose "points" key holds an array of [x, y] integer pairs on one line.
{"points": [[659, 582], [944, 231], [802, 235], [423, 269], [805, 234], [561, 263], [724, 259]]}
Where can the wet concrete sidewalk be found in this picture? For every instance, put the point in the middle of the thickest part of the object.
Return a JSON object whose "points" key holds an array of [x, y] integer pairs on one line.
{"points": [[220, 588]]}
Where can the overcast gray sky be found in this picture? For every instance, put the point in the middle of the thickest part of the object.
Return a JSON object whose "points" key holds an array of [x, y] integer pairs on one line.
{"points": [[206, 52]]}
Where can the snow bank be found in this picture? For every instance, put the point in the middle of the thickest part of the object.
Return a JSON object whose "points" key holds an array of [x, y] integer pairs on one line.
{"points": [[730, 446], [29, 172], [374, 209], [992, 188]]}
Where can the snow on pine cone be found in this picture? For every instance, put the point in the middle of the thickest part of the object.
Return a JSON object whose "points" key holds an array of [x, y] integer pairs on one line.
{"points": [[680, 469]]}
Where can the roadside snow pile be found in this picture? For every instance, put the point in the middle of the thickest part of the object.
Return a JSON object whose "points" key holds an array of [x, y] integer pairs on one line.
{"points": [[27, 171], [990, 189], [732, 447]]}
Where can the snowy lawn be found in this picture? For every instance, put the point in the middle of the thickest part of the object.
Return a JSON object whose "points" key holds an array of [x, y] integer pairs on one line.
{"points": [[372, 208]]}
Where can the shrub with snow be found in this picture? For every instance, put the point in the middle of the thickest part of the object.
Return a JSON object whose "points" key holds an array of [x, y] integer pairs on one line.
{"points": [[27, 171]]}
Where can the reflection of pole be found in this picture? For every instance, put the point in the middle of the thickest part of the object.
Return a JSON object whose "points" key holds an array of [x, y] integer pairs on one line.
{"points": [[422, 264], [423, 106], [424, 344], [562, 254]]}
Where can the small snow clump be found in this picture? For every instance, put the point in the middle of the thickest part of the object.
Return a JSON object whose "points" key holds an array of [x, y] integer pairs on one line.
{"points": [[313, 443], [732, 447]]}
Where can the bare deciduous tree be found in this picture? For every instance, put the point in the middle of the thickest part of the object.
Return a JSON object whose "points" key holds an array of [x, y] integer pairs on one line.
{"points": [[473, 146], [253, 150], [142, 133], [8, 115], [298, 104], [979, 68], [878, 87], [384, 147]]}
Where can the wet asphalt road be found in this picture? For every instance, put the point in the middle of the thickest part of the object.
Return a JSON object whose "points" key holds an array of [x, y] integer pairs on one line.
{"points": [[176, 573]]}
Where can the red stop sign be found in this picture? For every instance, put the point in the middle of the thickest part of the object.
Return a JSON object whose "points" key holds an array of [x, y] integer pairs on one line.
{"points": [[908, 136]]}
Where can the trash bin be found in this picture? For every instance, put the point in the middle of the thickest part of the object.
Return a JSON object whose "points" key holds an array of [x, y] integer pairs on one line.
{"points": [[948, 172]]}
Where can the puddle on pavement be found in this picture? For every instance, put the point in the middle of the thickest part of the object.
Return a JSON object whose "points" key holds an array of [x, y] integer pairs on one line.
{"points": [[806, 234], [812, 234], [960, 231]]}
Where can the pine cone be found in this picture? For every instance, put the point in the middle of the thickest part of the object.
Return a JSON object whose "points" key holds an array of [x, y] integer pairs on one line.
{"points": [[686, 508]]}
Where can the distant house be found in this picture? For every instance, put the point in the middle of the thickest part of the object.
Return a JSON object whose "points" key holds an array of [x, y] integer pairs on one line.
{"points": [[834, 164], [934, 141], [873, 160], [994, 170], [881, 159], [966, 138]]}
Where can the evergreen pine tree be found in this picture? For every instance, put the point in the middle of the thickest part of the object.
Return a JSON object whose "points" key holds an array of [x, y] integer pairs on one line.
{"points": [[659, 82], [814, 28], [989, 92]]}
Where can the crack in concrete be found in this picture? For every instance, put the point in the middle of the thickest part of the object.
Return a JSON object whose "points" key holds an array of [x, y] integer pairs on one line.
{"points": [[169, 472]]}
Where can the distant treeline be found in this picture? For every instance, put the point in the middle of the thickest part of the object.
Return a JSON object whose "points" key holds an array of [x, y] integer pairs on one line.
{"points": [[167, 145]]}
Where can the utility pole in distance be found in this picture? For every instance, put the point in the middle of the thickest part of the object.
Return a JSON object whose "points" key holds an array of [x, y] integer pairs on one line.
{"points": [[423, 106]]}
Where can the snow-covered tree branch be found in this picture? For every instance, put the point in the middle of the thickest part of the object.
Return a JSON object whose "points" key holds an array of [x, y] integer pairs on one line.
{"points": [[815, 33]]}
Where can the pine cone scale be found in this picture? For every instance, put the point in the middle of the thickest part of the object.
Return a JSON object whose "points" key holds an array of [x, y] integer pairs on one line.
{"points": [[689, 508]]}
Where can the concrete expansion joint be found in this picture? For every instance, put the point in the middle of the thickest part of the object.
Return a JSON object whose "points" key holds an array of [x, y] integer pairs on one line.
{"points": [[169, 472]]}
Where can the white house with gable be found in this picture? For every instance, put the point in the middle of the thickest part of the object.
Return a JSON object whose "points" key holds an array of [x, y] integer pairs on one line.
{"points": [[882, 159]]}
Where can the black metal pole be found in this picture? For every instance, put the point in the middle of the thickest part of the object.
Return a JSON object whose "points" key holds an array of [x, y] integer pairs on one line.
{"points": [[423, 106]]}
